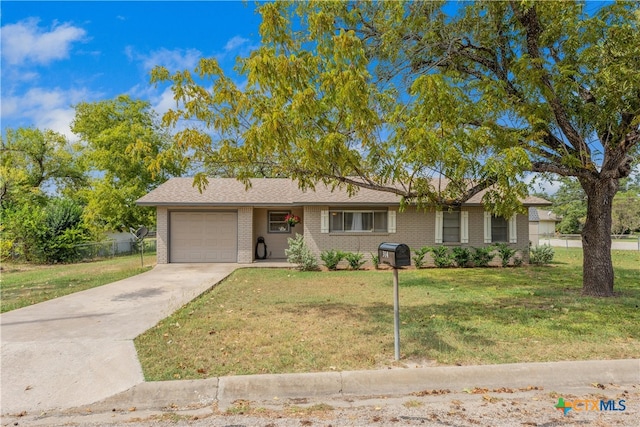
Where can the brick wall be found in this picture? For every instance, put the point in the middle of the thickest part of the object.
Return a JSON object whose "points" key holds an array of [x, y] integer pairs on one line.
{"points": [[276, 242], [415, 228], [162, 234], [245, 235]]}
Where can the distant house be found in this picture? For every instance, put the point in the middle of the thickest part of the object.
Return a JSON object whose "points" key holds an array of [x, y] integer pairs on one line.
{"points": [[542, 224], [223, 223]]}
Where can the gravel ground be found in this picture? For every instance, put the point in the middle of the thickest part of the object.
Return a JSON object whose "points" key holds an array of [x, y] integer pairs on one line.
{"points": [[478, 407]]}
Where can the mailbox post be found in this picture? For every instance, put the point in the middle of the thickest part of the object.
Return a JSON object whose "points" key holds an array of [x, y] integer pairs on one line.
{"points": [[396, 255]]}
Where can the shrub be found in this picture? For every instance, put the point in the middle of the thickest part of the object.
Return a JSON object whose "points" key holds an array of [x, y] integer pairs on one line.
{"points": [[462, 256], [355, 260], [332, 258], [517, 261], [441, 256], [541, 255], [418, 258], [505, 252], [6, 249], [48, 234], [375, 260], [482, 256], [298, 253]]}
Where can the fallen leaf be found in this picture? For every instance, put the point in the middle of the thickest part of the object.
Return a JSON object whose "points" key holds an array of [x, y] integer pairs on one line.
{"points": [[430, 392], [531, 387], [476, 390], [503, 390], [490, 399]]}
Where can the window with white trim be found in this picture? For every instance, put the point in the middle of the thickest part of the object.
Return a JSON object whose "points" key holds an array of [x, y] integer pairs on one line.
{"points": [[351, 221], [277, 222], [452, 226], [498, 229]]}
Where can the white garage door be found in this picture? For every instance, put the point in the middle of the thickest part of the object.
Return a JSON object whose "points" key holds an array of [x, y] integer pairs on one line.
{"points": [[203, 237]]}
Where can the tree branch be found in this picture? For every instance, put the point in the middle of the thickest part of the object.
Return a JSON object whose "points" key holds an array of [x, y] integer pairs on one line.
{"points": [[561, 170], [531, 24]]}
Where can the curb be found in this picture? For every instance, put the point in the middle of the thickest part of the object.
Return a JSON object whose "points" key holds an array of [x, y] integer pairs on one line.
{"points": [[224, 390]]}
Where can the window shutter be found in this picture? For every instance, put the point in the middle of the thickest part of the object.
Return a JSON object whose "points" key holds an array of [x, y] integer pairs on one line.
{"points": [[513, 229], [487, 227], [464, 227], [324, 221], [439, 225], [391, 221]]}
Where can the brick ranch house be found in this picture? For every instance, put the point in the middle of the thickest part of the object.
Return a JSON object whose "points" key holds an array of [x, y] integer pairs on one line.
{"points": [[223, 223]]}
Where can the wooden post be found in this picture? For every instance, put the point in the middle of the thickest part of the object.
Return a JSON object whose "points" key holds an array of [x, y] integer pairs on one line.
{"points": [[396, 314]]}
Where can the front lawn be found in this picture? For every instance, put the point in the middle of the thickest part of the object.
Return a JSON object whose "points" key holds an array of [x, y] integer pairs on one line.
{"points": [[279, 321], [26, 284]]}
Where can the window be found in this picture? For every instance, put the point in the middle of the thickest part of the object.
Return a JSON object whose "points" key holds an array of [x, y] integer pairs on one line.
{"points": [[358, 221], [451, 227], [499, 229], [277, 223]]}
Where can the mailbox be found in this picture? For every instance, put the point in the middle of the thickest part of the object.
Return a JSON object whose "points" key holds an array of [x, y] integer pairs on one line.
{"points": [[394, 254]]}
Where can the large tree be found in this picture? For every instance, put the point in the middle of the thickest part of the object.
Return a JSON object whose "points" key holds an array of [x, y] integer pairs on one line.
{"points": [[570, 202], [388, 95], [37, 169], [626, 211], [120, 144], [36, 163]]}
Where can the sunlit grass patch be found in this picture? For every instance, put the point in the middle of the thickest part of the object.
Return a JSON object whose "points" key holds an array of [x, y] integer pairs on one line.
{"points": [[279, 321], [26, 284]]}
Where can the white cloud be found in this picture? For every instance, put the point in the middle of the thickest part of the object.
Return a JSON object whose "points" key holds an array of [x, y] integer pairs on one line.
{"points": [[27, 42], [235, 46], [181, 59], [160, 102], [164, 102], [46, 108], [234, 43], [540, 183], [173, 60]]}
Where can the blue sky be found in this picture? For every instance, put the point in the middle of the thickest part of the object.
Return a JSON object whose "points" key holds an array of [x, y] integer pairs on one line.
{"points": [[57, 54]]}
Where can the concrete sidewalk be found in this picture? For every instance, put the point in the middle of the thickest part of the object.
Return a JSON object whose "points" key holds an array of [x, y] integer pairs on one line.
{"points": [[223, 391], [78, 349]]}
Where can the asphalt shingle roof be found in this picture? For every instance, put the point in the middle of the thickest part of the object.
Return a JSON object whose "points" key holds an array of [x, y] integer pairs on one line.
{"points": [[273, 192]]}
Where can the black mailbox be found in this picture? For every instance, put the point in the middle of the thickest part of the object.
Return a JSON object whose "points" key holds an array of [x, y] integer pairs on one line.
{"points": [[394, 254]]}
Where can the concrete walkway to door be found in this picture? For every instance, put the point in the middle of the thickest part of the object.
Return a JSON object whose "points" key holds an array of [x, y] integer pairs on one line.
{"points": [[78, 349]]}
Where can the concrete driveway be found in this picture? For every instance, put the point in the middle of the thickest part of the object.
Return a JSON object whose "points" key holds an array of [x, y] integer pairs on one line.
{"points": [[78, 349]]}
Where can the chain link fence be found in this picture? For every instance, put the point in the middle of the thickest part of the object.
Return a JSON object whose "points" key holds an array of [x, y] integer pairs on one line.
{"points": [[97, 250], [112, 248]]}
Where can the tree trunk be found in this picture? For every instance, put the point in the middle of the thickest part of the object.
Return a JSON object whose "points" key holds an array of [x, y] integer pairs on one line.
{"points": [[597, 267]]}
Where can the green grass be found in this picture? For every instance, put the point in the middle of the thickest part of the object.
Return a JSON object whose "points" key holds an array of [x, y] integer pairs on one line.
{"points": [[278, 321], [25, 284]]}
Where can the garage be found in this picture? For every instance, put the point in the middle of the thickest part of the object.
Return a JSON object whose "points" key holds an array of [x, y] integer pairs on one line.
{"points": [[203, 236]]}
